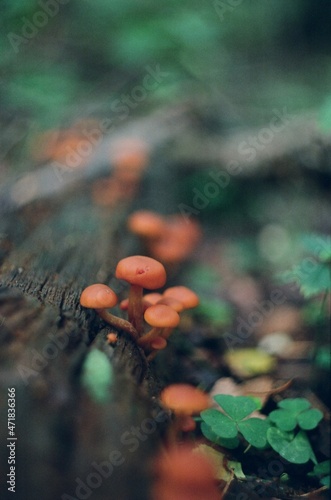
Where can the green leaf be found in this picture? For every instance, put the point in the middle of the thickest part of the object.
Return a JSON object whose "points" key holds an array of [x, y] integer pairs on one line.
{"points": [[230, 443], [318, 245], [325, 481], [322, 471], [97, 375], [294, 404], [296, 450], [208, 433], [309, 419], [237, 407], [254, 431], [222, 425], [237, 469], [323, 468], [312, 281], [284, 419]]}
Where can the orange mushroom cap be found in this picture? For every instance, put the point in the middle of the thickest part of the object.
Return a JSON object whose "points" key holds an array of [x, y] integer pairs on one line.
{"points": [[184, 399], [129, 153], [146, 224], [187, 297], [153, 297], [161, 316], [142, 271], [182, 466], [175, 304], [158, 343], [98, 296]]}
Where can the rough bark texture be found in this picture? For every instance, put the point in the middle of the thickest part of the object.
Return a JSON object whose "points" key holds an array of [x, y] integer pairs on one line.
{"points": [[63, 435]]}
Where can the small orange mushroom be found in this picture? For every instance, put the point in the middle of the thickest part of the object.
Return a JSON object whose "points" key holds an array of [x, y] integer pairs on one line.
{"points": [[185, 474], [141, 272], [153, 297], [184, 400], [185, 295], [100, 297], [159, 316], [175, 304], [146, 224], [112, 338], [178, 240], [157, 344]]}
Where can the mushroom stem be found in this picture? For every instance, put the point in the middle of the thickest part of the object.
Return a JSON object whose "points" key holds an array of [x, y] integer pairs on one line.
{"points": [[117, 322], [156, 331], [135, 309]]}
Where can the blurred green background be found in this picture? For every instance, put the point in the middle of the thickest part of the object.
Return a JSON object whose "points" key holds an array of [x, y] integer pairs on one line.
{"points": [[64, 59]]}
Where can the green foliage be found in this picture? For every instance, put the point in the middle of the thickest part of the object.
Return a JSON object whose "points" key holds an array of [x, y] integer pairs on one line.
{"points": [[295, 448], [97, 375], [293, 412], [312, 274], [108, 44], [227, 426], [279, 430], [215, 312], [322, 471]]}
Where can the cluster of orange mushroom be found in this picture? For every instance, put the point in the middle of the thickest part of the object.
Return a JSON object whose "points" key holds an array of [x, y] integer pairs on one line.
{"points": [[170, 239], [128, 159], [156, 311]]}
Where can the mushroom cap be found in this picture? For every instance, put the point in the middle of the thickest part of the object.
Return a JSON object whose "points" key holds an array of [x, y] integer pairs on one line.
{"points": [[182, 466], [129, 154], [146, 224], [161, 316], [98, 296], [124, 304], [187, 297], [143, 271], [184, 399], [175, 304], [158, 343], [152, 297]]}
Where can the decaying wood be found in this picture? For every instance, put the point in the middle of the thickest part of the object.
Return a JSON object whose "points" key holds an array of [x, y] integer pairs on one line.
{"points": [[45, 336]]}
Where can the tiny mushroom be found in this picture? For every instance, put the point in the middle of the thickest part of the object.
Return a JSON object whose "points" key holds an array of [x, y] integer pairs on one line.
{"points": [[146, 224], [185, 401], [157, 344], [186, 474], [141, 272], [100, 297], [175, 304], [160, 317], [185, 295]]}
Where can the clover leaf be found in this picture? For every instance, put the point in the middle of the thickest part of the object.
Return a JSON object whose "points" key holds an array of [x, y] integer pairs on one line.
{"points": [[295, 448], [230, 443], [223, 428], [322, 471], [293, 412]]}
